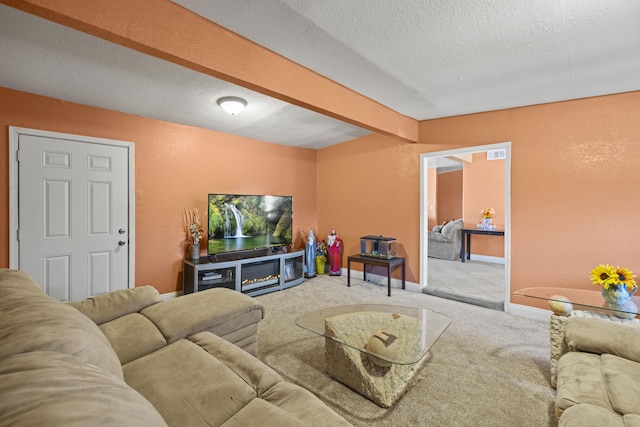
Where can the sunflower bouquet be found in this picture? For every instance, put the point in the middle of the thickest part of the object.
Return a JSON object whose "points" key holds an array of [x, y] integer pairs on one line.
{"points": [[607, 275], [487, 213]]}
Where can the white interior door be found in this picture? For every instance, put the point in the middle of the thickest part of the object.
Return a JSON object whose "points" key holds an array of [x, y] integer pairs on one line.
{"points": [[73, 214]]}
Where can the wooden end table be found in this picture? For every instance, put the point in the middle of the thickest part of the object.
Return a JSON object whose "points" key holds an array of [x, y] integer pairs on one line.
{"points": [[390, 264]]}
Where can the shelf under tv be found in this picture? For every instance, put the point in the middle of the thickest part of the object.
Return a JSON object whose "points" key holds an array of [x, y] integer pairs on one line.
{"points": [[251, 275]]}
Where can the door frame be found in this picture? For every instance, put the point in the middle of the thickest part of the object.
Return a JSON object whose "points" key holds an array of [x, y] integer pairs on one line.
{"points": [[424, 210], [14, 185]]}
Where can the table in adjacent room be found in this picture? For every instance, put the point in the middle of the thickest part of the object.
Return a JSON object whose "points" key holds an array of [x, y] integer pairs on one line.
{"points": [[465, 245], [390, 264]]}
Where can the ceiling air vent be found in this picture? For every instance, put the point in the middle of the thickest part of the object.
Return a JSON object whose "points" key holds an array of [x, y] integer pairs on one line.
{"points": [[496, 154]]}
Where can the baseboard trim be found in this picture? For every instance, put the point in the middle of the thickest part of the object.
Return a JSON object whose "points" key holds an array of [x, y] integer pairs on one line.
{"points": [[487, 258], [530, 312]]}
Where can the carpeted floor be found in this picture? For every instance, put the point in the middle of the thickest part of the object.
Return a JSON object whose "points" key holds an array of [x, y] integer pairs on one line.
{"points": [[489, 368]]}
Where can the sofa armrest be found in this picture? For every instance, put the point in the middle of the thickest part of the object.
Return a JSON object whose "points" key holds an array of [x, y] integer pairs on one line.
{"points": [[218, 310], [600, 336], [452, 229], [437, 237], [106, 307]]}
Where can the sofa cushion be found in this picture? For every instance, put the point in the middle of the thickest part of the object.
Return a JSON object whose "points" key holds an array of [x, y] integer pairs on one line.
{"points": [[33, 321], [293, 399], [105, 307], [202, 392], [220, 384], [600, 336], [622, 382], [607, 381], [53, 389], [580, 381], [252, 371], [218, 310], [132, 336], [290, 404], [586, 415]]}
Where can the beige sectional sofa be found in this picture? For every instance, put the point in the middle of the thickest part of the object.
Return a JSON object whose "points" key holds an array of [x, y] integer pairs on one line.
{"points": [[598, 378], [129, 359]]}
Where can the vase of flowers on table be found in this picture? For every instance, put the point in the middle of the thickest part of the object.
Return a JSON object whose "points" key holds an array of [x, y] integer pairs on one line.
{"points": [[618, 285], [487, 218]]}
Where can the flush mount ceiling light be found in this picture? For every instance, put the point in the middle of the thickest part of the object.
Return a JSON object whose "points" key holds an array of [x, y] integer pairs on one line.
{"points": [[232, 104]]}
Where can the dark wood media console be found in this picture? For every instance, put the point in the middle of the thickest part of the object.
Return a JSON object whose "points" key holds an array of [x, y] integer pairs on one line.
{"points": [[253, 275]]}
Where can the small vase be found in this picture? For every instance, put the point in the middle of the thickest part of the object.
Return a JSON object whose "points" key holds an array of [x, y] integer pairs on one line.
{"points": [[616, 294], [487, 223], [195, 251], [618, 299]]}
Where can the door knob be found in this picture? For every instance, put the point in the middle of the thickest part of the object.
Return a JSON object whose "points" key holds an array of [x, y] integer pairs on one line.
{"points": [[121, 231], [122, 243]]}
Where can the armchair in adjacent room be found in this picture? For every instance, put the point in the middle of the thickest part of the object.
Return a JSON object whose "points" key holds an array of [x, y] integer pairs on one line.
{"points": [[445, 241]]}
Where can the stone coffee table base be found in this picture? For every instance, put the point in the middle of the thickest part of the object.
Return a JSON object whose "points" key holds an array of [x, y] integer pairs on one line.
{"points": [[382, 385]]}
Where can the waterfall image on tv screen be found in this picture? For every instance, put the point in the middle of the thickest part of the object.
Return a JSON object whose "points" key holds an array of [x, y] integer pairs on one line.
{"points": [[240, 222]]}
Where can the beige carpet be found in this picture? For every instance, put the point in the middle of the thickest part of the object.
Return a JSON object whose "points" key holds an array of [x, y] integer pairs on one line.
{"points": [[489, 368]]}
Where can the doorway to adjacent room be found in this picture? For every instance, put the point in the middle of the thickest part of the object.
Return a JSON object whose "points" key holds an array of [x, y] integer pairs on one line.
{"points": [[484, 279]]}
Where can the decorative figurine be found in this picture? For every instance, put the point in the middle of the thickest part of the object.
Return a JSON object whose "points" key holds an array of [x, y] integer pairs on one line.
{"points": [[331, 238], [336, 248], [310, 254]]}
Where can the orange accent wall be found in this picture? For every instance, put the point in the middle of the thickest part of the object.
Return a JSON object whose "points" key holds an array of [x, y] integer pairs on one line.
{"points": [[574, 193], [450, 196], [371, 186], [432, 201], [574, 186], [175, 168], [569, 161], [484, 183]]}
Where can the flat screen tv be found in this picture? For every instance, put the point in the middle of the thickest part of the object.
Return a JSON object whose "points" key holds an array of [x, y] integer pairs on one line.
{"points": [[238, 222]]}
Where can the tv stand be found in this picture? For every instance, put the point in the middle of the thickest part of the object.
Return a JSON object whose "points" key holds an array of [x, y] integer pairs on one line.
{"points": [[250, 272]]}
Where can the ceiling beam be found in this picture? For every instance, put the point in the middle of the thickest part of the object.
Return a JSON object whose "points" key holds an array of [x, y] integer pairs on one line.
{"points": [[170, 32]]}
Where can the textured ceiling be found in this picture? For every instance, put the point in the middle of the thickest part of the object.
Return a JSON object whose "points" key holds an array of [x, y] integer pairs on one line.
{"points": [[428, 59], [423, 58]]}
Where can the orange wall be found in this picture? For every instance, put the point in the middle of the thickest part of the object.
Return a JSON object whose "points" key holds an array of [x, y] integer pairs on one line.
{"points": [[484, 183], [370, 186], [175, 167], [449, 196], [574, 186], [574, 193], [432, 201]]}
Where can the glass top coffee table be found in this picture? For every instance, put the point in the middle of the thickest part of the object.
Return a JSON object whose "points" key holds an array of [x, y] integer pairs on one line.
{"points": [[376, 349], [562, 300]]}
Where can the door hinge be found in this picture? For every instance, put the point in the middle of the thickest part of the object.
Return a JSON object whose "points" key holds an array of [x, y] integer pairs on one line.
{"points": [[18, 156], [18, 234]]}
